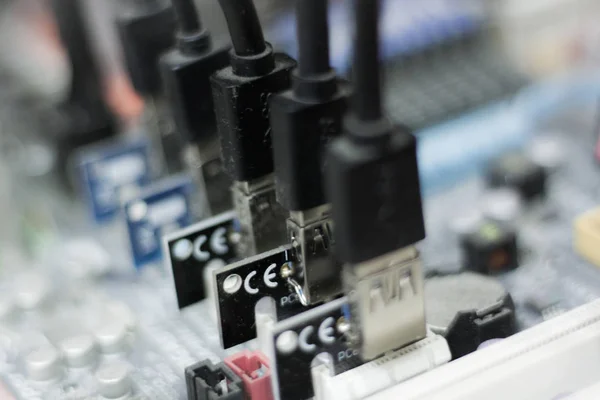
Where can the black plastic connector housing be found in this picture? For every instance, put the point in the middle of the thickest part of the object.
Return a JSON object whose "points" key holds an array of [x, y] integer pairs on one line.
{"points": [[202, 382], [186, 80], [241, 97], [302, 127], [470, 329], [84, 117], [374, 188], [146, 30]]}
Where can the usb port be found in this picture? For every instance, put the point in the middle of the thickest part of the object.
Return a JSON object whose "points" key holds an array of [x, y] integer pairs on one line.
{"points": [[387, 309]]}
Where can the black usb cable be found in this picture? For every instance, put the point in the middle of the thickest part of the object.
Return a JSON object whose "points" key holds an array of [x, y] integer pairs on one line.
{"points": [[185, 72], [373, 185], [241, 95], [304, 120]]}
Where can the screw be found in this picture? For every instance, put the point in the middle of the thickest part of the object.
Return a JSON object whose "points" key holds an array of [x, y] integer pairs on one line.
{"points": [[287, 271], [343, 326]]}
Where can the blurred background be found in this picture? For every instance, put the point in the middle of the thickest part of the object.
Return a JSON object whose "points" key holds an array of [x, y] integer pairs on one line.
{"points": [[539, 37]]}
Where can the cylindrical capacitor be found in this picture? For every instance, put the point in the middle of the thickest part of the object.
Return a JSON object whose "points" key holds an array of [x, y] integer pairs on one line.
{"points": [[43, 364], [114, 380], [79, 351]]}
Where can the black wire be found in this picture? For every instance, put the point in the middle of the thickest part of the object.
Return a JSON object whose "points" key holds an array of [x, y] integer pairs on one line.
{"points": [[366, 74], [187, 16], [244, 27], [85, 75], [313, 37]]}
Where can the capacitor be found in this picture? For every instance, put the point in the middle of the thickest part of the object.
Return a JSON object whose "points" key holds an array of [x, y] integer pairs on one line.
{"points": [[43, 364], [114, 380], [79, 351]]}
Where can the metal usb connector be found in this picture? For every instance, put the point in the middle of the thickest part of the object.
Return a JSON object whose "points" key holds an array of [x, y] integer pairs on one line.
{"points": [[387, 302], [261, 218]]}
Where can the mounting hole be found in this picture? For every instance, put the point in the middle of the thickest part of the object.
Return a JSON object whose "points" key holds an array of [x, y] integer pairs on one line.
{"points": [[287, 342], [183, 249], [232, 283]]}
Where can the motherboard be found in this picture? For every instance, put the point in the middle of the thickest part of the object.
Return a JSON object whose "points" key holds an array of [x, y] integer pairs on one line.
{"points": [[76, 292], [119, 281]]}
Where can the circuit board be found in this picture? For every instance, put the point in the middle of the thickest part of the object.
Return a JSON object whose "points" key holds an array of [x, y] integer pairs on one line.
{"points": [[355, 236], [120, 332], [550, 268]]}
